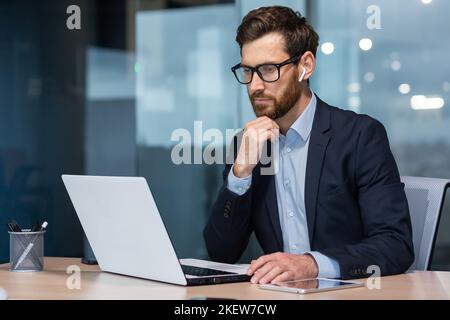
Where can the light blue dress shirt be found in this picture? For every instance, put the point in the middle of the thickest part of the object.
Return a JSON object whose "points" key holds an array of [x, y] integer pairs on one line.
{"points": [[290, 187]]}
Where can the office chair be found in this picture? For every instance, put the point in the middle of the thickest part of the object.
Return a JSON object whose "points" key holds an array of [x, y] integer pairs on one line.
{"points": [[425, 200], [3, 294]]}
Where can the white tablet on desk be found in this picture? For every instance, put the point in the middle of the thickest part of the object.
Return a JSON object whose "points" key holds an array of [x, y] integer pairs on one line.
{"points": [[311, 285]]}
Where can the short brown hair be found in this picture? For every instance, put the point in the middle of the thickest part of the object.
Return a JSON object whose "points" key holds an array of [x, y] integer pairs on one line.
{"points": [[299, 35]]}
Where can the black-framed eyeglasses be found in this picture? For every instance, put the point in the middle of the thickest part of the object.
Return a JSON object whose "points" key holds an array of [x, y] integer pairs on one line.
{"points": [[268, 72]]}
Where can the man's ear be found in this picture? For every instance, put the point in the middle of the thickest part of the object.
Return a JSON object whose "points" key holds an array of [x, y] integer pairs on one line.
{"points": [[308, 62]]}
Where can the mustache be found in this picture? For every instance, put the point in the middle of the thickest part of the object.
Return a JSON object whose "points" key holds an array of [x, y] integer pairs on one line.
{"points": [[261, 96]]}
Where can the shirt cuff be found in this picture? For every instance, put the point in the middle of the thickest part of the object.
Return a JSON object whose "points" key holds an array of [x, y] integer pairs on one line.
{"points": [[328, 268], [238, 185]]}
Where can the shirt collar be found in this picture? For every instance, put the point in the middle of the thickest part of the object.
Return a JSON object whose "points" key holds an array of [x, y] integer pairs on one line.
{"points": [[303, 124]]}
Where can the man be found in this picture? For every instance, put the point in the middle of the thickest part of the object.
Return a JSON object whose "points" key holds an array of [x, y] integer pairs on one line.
{"points": [[336, 205]]}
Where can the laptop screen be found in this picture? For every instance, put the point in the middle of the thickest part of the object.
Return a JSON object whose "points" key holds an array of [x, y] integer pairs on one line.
{"points": [[440, 256]]}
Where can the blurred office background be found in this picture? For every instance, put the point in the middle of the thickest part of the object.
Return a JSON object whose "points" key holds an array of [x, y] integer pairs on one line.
{"points": [[105, 99]]}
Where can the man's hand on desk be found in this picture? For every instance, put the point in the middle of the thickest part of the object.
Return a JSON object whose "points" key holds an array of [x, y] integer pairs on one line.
{"points": [[282, 266]]}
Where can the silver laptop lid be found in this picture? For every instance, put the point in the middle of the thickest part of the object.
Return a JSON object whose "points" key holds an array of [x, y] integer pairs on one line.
{"points": [[124, 227]]}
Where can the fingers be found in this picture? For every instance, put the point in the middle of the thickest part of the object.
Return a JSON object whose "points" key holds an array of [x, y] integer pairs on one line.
{"points": [[274, 135], [256, 133], [275, 267], [271, 274], [252, 146], [258, 263], [259, 120], [279, 266], [261, 123], [262, 272], [285, 276], [261, 134]]}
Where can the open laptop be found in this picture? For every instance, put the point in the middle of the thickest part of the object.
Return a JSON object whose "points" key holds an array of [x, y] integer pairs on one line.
{"points": [[128, 236]]}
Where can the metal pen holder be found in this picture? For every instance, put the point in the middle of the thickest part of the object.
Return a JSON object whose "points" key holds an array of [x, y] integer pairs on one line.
{"points": [[26, 251]]}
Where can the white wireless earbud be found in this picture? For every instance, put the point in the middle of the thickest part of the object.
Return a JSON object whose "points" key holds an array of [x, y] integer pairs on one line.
{"points": [[302, 75]]}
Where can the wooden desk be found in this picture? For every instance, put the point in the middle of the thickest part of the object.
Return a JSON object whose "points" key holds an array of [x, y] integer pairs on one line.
{"points": [[51, 284]]}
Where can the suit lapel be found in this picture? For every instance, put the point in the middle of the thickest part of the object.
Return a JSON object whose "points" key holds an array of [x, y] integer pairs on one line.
{"points": [[320, 136], [272, 207], [270, 197]]}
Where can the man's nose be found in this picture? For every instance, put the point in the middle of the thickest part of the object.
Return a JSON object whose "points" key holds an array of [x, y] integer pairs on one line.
{"points": [[257, 84]]}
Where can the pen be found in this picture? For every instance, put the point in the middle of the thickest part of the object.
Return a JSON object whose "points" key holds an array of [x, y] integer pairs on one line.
{"points": [[30, 246], [14, 227]]}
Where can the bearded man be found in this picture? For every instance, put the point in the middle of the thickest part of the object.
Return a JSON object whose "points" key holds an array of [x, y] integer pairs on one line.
{"points": [[335, 207]]}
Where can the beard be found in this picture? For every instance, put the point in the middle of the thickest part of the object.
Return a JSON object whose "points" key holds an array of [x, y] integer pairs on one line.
{"points": [[281, 106]]}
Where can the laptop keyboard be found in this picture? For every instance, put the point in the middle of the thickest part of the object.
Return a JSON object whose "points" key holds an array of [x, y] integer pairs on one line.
{"points": [[201, 272]]}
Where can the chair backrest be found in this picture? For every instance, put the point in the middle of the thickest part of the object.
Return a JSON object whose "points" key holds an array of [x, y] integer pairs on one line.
{"points": [[3, 294], [425, 197]]}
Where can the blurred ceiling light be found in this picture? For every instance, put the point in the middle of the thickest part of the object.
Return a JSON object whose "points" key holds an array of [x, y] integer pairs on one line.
{"points": [[396, 65], [353, 87], [365, 44], [354, 102], [369, 77], [426, 1], [404, 88], [327, 48], [421, 102]]}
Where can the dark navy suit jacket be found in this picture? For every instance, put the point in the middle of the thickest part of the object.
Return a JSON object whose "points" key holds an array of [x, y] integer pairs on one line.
{"points": [[356, 208]]}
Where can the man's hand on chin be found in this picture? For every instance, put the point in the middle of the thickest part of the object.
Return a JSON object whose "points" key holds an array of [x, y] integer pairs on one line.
{"points": [[281, 266]]}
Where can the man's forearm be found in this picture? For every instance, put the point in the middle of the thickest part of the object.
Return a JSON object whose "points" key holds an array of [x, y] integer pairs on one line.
{"points": [[229, 227]]}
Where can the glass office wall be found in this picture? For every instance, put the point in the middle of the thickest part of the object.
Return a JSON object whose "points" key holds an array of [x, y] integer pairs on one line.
{"points": [[390, 60], [61, 110], [106, 99], [182, 60]]}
